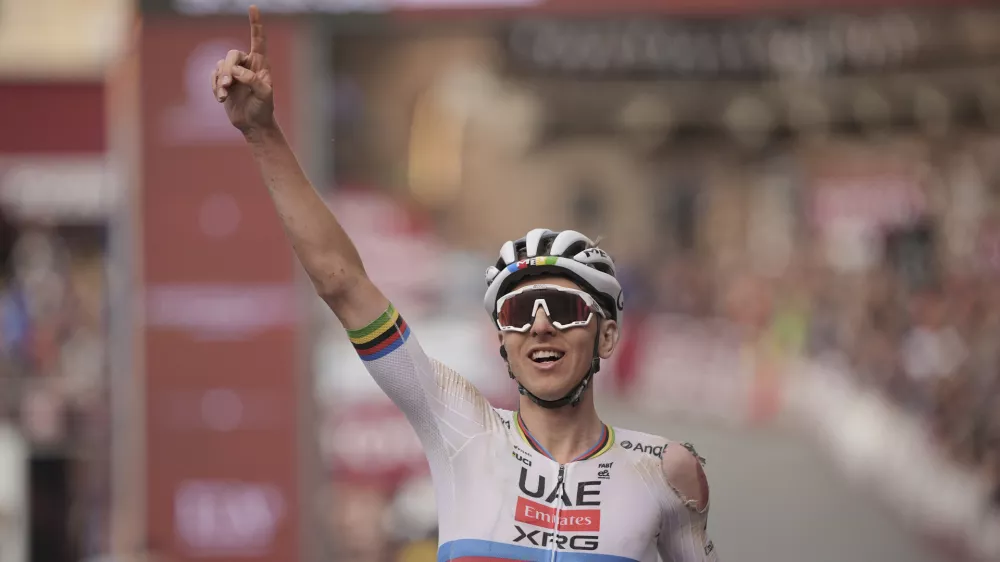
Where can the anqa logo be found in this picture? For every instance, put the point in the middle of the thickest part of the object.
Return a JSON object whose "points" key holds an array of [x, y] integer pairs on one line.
{"points": [[656, 451]]}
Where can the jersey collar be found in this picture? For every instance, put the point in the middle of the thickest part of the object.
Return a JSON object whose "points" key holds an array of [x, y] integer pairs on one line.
{"points": [[603, 445]]}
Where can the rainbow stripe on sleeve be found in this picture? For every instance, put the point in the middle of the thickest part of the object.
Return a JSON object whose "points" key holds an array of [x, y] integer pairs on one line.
{"points": [[380, 338]]}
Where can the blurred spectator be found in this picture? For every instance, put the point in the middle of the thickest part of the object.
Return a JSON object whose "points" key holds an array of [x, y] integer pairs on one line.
{"points": [[933, 350], [53, 377]]}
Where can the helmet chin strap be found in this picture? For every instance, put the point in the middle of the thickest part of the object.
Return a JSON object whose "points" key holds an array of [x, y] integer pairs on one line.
{"points": [[572, 397]]}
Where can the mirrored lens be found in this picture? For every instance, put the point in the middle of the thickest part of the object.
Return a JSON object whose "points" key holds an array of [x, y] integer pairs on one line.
{"points": [[564, 308]]}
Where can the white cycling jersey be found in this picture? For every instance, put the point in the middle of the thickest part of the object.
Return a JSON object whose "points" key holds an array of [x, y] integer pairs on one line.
{"points": [[500, 496]]}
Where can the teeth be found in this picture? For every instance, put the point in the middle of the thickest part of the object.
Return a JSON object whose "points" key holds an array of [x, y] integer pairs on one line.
{"points": [[546, 354]]}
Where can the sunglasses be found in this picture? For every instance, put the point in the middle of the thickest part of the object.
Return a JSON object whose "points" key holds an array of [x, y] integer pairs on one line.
{"points": [[565, 308]]}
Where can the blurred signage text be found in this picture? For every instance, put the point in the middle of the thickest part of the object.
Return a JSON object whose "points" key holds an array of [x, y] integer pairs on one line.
{"points": [[203, 7], [499, 7], [221, 311], [815, 46], [216, 518]]}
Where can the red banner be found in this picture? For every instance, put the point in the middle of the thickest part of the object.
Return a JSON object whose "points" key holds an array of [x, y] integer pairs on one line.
{"points": [[220, 330], [52, 118]]}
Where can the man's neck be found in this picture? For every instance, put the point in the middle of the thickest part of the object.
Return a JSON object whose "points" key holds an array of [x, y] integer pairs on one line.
{"points": [[567, 432]]}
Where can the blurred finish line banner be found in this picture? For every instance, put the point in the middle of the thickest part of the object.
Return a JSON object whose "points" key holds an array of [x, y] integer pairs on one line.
{"points": [[551, 7], [220, 333]]}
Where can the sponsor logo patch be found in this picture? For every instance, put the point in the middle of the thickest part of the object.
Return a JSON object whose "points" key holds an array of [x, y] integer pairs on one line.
{"points": [[521, 456], [547, 539], [656, 451], [569, 520], [587, 493]]}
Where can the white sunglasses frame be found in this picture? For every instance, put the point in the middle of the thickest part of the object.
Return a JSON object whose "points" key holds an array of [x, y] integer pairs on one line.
{"points": [[540, 302]]}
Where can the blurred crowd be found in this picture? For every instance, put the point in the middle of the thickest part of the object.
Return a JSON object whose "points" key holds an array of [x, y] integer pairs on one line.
{"points": [[53, 377], [918, 321], [934, 350]]}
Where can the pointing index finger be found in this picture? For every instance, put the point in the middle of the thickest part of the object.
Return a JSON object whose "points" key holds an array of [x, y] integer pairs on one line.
{"points": [[258, 41]]}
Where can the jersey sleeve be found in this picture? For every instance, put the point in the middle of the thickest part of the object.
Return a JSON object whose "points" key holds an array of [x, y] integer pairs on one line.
{"points": [[684, 536], [444, 409]]}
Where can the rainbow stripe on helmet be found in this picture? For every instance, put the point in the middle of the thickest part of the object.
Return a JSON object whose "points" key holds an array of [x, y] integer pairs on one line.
{"points": [[523, 264]]}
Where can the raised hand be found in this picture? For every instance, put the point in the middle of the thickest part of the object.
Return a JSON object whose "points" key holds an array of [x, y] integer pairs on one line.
{"points": [[242, 82]]}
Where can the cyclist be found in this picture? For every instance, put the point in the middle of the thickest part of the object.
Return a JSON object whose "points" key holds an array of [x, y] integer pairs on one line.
{"points": [[547, 482]]}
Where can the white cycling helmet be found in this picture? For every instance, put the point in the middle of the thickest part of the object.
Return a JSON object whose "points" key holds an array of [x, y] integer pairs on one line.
{"points": [[567, 253]]}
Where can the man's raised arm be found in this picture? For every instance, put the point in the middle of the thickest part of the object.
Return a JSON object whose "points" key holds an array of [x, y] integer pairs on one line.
{"points": [[242, 82], [443, 408]]}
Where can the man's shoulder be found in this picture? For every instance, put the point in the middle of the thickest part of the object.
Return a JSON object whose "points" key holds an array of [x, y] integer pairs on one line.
{"points": [[640, 442], [682, 466], [683, 469]]}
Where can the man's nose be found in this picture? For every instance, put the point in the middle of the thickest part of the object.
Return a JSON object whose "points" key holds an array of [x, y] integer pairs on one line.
{"points": [[541, 324]]}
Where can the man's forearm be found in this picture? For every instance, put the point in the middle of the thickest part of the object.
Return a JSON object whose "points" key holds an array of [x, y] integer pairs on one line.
{"points": [[325, 250]]}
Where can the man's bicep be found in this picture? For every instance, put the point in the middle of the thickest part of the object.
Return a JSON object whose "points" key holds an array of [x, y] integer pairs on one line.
{"points": [[687, 547], [684, 537], [435, 399]]}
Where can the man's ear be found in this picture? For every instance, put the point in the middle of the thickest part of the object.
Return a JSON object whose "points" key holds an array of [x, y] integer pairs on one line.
{"points": [[609, 339]]}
